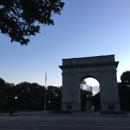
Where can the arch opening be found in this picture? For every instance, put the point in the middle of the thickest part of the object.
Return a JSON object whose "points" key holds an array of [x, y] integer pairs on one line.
{"points": [[90, 94]]}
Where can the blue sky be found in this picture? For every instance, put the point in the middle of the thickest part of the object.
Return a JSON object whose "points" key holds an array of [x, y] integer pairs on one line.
{"points": [[84, 28]]}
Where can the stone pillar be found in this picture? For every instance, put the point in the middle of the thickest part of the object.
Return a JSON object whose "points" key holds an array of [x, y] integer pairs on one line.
{"points": [[109, 92], [71, 92]]}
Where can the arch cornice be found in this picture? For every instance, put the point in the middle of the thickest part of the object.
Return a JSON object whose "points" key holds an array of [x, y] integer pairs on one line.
{"points": [[90, 65]]}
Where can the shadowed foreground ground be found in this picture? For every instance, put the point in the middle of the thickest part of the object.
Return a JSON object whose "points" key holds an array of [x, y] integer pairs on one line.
{"points": [[75, 121]]}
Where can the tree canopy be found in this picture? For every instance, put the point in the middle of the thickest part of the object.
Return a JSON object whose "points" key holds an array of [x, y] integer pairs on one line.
{"points": [[30, 96], [124, 90], [20, 19], [125, 77], [2, 88]]}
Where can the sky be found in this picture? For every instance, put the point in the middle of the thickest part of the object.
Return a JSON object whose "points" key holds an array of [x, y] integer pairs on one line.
{"points": [[84, 28]]}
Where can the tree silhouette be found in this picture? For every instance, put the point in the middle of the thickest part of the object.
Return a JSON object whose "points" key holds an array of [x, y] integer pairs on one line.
{"points": [[124, 91], [20, 19]]}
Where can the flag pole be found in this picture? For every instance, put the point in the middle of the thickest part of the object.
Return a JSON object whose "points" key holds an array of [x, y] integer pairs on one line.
{"points": [[45, 92]]}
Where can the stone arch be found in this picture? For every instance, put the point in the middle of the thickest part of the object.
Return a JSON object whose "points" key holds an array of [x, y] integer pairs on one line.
{"points": [[102, 68]]}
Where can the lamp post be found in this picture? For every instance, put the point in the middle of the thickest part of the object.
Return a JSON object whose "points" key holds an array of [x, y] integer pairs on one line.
{"points": [[45, 92], [87, 103], [15, 100]]}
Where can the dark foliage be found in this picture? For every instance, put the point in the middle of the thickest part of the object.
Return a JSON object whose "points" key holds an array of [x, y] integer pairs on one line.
{"points": [[30, 96], [125, 78], [20, 19], [124, 91], [2, 91]]}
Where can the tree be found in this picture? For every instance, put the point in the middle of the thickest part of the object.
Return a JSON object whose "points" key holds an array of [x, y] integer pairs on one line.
{"points": [[20, 19], [124, 90], [30, 96], [53, 98], [125, 78], [2, 92]]}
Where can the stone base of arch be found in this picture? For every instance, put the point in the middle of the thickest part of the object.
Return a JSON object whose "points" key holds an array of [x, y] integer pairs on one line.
{"points": [[106, 107], [71, 106], [102, 68], [110, 106]]}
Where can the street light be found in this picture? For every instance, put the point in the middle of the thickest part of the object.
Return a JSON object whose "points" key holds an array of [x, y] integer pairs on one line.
{"points": [[15, 100], [15, 97], [87, 103]]}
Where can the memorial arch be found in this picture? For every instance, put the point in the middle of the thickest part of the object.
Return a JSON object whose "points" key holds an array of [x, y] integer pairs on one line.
{"points": [[102, 68]]}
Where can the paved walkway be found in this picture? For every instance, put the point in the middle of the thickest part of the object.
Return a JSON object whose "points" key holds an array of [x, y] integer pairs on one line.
{"points": [[40, 120], [48, 113]]}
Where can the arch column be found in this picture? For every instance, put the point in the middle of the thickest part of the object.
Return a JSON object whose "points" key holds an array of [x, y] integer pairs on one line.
{"points": [[109, 92], [70, 95]]}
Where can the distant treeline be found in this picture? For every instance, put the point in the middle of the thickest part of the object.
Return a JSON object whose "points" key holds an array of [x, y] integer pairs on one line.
{"points": [[31, 96]]}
